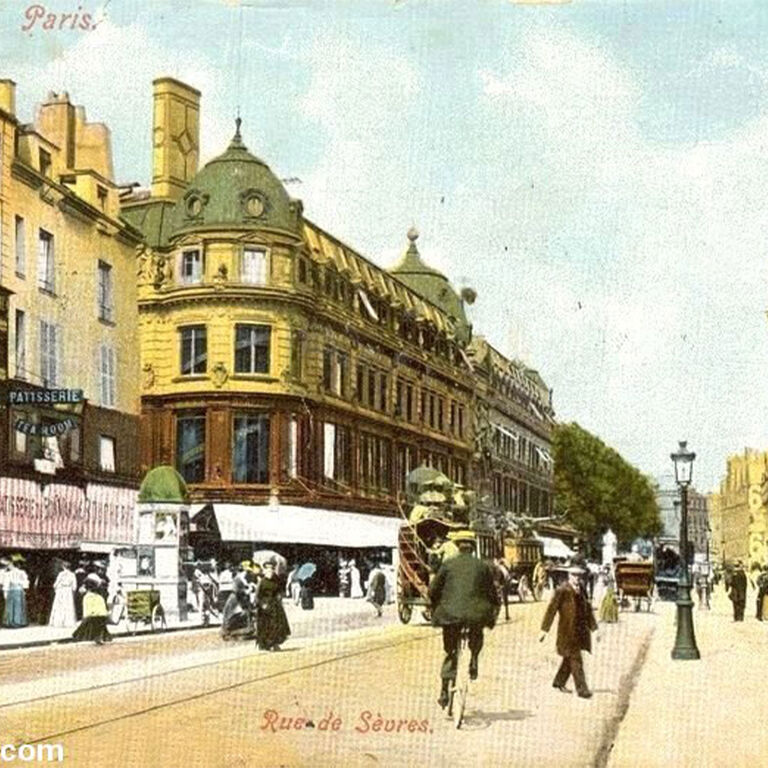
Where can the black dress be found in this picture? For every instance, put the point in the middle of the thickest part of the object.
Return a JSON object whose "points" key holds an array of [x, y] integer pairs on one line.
{"points": [[271, 622]]}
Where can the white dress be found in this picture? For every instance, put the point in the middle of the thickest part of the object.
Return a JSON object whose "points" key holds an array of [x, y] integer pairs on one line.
{"points": [[356, 589], [63, 610]]}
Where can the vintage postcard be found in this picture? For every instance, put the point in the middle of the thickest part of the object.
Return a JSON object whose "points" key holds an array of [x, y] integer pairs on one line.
{"points": [[381, 383]]}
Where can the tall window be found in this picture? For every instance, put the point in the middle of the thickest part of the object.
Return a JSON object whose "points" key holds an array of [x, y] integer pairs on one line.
{"points": [[45, 264], [21, 345], [49, 353], [337, 452], [191, 267], [190, 446], [105, 307], [250, 455], [252, 348], [107, 375], [297, 355], [335, 371], [254, 266], [107, 453], [194, 350], [21, 247]]}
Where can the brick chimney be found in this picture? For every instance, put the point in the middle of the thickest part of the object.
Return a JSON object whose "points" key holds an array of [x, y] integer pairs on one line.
{"points": [[175, 137]]}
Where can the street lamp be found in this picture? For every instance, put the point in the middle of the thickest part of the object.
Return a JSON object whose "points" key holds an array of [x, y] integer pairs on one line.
{"points": [[685, 642]]}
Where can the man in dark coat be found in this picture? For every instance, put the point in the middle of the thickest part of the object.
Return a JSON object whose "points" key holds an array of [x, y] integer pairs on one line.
{"points": [[575, 622], [738, 591], [462, 594]]}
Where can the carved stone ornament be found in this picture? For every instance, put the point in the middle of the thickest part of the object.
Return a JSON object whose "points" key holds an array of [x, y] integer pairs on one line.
{"points": [[220, 278], [219, 375], [148, 376]]}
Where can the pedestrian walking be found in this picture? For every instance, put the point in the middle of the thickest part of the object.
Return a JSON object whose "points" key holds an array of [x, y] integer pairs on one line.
{"points": [[226, 581], [377, 588], [608, 611], [64, 588], [575, 623], [762, 594], [272, 628], [80, 573], [737, 591], [501, 578], [15, 585], [236, 618], [462, 594], [355, 585], [94, 623], [344, 579]]}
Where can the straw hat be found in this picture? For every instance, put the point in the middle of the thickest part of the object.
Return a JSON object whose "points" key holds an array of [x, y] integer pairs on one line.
{"points": [[464, 535]]}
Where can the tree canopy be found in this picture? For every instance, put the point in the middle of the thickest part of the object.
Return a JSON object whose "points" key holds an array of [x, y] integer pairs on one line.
{"points": [[596, 489]]}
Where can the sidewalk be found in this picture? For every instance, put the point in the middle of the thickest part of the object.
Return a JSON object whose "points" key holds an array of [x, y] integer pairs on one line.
{"points": [[326, 608], [702, 713]]}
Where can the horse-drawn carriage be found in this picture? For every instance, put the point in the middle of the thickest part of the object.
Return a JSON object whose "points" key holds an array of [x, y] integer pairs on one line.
{"points": [[634, 582], [521, 555]]}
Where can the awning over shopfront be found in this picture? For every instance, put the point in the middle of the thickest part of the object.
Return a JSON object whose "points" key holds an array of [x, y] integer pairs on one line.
{"points": [[555, 547], [302, 525], [63, 516]]}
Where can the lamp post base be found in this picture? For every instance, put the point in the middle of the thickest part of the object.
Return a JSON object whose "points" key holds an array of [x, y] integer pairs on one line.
{"points": [[685, 642]]}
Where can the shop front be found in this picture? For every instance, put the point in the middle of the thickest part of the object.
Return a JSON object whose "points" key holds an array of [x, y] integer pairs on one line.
{"points": [[233, 532], [43, 524]]}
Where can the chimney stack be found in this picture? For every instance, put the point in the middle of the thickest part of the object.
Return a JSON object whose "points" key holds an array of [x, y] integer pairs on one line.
{"points": [[8, 97], [175, 137]]}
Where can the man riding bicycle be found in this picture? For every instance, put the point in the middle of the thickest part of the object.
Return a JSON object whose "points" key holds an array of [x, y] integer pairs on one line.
{"points": [[462, 594]]}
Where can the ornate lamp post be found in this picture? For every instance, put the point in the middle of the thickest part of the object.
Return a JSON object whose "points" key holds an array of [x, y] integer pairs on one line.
{"points": [[685, 642]]}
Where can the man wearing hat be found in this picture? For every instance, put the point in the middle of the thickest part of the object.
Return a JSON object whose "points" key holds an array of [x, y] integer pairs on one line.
{"points": [[462, 594], [575, 622], [738, 591]]}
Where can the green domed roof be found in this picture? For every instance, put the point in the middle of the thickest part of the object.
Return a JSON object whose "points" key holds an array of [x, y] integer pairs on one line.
{"points": [[431, 284], [163, 483], [235, 190]]}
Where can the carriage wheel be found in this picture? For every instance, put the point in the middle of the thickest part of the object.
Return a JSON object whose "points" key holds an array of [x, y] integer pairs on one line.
{"points": [[157, 619], [536, 592], [427, 615], [404, 611]]}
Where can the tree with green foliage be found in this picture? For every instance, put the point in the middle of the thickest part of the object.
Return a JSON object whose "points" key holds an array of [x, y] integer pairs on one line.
{"points": [[596, 489]]}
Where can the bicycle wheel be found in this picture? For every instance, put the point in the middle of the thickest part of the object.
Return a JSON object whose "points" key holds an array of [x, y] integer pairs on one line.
{"points": [[460, 696], [157, 619]]}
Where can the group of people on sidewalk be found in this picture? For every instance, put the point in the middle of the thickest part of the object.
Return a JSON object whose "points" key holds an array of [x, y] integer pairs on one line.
{"points": [[254, 607], [736, 588]]}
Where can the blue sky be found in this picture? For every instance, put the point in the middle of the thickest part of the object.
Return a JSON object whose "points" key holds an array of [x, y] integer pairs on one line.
{"points": [[595, 170]]}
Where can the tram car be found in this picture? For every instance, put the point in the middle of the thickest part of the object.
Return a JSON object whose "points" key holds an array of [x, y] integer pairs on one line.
{"points": [[420, 556]]}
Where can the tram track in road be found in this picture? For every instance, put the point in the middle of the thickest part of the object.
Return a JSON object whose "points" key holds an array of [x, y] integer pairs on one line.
{"points": [[197, 696]]}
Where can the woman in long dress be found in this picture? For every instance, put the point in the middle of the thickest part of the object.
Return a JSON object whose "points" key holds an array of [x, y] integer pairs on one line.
{"points": [[355, 588], [377, 588], [94, 623], [271, 622], [63, 610], [609, 605]]}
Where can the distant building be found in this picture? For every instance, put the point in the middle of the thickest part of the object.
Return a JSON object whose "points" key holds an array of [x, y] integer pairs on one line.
{"points": [[738, 510], [513, 466], [668, 499]]}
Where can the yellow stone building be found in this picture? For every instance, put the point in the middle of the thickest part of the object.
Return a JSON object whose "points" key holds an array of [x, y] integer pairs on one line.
{"points": [[738, 511], [67, 289], [278, 364]]}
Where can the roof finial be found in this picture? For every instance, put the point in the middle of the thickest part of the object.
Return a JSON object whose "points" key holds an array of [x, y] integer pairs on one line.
{"points": [[238, 123], [413, 234]]}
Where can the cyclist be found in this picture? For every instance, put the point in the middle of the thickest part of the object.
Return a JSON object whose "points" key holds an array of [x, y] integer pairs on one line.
{"points": [[462, 594]]}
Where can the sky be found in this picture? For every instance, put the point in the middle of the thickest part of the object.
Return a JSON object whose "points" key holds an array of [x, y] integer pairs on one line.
{"points": [[596, 170]]}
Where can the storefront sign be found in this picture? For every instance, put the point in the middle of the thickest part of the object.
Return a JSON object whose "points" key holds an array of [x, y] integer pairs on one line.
{"points": [[61, 516], [44, 396], [46, 430]]}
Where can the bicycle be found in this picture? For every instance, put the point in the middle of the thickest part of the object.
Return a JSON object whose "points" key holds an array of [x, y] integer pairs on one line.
{"points": [[457, 696]]}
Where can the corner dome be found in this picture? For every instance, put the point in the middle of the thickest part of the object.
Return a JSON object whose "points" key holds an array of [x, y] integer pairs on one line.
{"points": [[431, 284], [235, 190], [163, 484]]}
